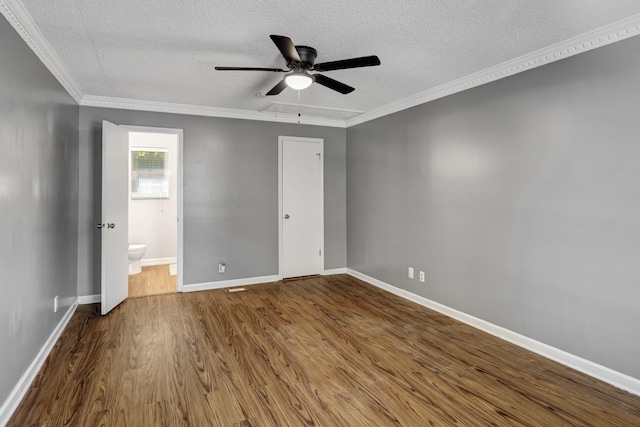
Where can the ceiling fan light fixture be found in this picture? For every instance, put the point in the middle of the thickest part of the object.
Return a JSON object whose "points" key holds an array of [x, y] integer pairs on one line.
{"points": [[298, 80]]}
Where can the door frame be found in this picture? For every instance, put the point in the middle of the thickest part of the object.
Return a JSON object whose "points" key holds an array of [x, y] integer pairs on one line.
{"points": [[180, 219], [320, 142]]}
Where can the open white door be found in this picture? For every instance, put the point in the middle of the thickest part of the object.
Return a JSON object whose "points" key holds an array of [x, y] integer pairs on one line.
{"points": [[301, 207], [115, 235]]}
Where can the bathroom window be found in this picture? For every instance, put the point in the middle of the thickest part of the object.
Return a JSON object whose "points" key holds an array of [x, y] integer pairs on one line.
{"points": [[149, 173]]}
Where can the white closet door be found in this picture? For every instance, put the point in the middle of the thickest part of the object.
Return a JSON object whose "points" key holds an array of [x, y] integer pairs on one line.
{"points": [[302, 227]]}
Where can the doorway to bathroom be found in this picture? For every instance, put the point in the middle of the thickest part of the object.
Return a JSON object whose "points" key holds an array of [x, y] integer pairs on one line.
{"points": [[154, 193]]}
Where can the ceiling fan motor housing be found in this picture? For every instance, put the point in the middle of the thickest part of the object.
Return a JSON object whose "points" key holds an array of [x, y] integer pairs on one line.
{"points": [[307, 56]]}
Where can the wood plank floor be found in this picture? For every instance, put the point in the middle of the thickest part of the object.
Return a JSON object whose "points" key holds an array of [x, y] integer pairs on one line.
{"points": [[326, 351], [153, 280]]}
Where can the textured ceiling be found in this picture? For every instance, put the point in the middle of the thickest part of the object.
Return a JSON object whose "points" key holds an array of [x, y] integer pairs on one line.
{"points": [[165, 50]]}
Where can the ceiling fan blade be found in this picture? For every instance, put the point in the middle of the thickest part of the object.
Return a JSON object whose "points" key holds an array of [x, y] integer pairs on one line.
{"points": [[365, 61], [333, 84], [277, 70], [277, 88], [286, 48]]}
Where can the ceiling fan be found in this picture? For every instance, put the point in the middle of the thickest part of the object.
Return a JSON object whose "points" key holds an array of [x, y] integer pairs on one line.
{"points": [[301, 60]]}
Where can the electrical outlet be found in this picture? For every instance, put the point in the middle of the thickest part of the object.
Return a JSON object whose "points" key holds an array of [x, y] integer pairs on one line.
{"points": [[222, 267], [422, 276], [410, 272], [55, 304]]}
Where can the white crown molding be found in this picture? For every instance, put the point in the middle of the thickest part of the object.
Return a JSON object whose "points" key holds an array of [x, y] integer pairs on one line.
{"points": [[615, 378], [200, 110], [23, 23], [608, 34]]}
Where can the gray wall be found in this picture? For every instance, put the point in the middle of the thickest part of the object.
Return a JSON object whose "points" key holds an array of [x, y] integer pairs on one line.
{"points": [[38, 205], [520, 200], [230, 193]]}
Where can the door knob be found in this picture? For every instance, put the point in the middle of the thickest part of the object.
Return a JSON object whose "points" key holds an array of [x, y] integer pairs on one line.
{"points": [[286, 216], [100, 225], [111, 225]]}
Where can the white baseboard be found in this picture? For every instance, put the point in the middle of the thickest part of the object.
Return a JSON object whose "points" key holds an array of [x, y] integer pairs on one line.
{"points": [[89, 299], [230, 283], [334, 271], [616, 379], [20, 389], [148, 262]]}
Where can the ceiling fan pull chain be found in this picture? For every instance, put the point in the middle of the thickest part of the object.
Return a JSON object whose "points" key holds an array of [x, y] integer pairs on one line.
{"points": [[299, 107]]}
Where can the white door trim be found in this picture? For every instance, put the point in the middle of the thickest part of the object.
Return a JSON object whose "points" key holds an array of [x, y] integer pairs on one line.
{"points": [[319, 141], [180, 219]]}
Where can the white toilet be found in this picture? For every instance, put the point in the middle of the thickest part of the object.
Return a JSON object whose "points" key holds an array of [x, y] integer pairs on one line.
{"points": [[136, 252]]}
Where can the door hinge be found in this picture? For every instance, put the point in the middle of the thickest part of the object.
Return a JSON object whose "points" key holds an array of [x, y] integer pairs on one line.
{"points": [[318, 154], [320, 252]]}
